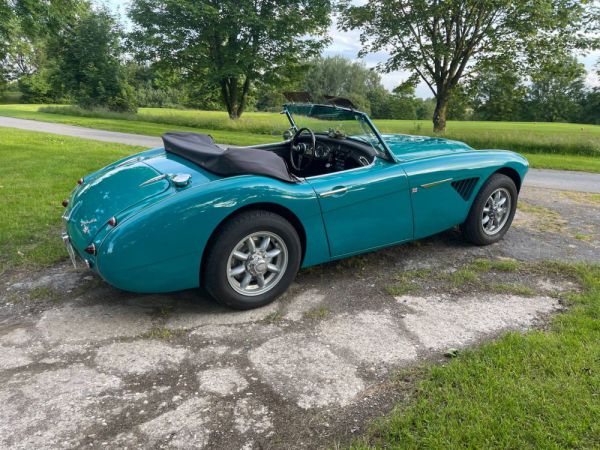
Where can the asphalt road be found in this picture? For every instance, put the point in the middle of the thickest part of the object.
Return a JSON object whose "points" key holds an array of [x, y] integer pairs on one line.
{"points": [[544, 178]]}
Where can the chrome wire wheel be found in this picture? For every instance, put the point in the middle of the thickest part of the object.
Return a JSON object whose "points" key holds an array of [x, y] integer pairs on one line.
{"points": [[496, 211], [257, 263]]}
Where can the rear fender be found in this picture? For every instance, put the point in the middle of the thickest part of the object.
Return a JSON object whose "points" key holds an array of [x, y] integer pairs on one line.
{"points": [[160, 248]]}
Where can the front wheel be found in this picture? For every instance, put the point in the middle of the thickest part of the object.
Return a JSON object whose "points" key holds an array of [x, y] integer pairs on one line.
{"points": [[253, 260], [492, 211]]}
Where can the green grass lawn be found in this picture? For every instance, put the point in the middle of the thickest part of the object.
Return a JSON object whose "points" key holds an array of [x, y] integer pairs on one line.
{"points": [[537, 390], [547, 145], [37, 171]]}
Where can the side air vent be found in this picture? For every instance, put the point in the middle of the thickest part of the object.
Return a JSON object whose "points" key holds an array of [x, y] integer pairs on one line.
{"points": [[465, 187]]}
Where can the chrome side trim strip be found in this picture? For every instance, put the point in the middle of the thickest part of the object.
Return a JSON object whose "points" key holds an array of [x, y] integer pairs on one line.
{"points": [[435, 183]]}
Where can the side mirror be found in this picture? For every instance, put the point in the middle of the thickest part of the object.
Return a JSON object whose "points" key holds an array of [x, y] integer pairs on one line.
{"points": [[288, 134]]}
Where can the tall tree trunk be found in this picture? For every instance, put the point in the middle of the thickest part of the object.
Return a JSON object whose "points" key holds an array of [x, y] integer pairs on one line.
{"points": [[229, 95], [439, 115]]}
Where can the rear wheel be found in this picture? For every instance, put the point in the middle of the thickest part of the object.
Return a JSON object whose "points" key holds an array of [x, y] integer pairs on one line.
{"points": [[492, 211], [253, 260]]}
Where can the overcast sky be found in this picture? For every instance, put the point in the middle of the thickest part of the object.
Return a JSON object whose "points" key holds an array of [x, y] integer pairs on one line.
{"points": [[348, 44]]}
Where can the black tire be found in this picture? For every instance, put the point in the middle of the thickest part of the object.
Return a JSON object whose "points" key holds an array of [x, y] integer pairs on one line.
{"points": [[473, 229], [216, 263]]}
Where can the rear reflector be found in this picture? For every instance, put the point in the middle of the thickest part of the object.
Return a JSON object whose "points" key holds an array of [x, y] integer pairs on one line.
{"points": [[112, 221], [65, 203], [91, 249], [80, 181]]}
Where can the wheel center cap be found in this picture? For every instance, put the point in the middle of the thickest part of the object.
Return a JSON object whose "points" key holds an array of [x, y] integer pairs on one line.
{"points": [[256, 265]]}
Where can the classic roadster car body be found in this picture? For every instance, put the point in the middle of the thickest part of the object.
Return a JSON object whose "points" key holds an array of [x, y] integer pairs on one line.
{"points": [[240, 223]]}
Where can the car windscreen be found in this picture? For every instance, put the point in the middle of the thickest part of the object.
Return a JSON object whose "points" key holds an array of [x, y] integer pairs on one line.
{"points": [[335, 121]]}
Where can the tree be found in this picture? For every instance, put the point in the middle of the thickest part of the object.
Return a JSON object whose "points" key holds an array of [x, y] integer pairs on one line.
{"points": [[29, 34], [90, 64], [341, 77], [229, 44], [445, 41], [498, 93], [557, 90]]}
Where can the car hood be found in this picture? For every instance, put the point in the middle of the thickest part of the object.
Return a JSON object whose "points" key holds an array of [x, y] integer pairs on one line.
{"points": [[122, 187], [407, 147]]}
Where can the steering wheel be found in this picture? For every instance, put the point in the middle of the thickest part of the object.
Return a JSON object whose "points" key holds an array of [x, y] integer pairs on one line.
{"points": [[302, 151]]}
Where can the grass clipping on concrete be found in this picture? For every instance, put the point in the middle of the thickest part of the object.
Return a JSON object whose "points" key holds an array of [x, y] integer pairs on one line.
{"points": [[39, 170], [534, 390]]}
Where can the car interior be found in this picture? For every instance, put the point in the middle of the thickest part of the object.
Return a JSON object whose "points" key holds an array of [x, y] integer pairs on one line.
{"points": [[308, 154]]}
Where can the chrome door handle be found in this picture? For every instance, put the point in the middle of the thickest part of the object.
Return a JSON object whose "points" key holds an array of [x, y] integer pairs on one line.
{"points": [[333, 192]]}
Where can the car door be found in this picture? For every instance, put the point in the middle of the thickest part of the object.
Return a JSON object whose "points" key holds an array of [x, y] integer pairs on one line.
{"points": [[365, 208]]}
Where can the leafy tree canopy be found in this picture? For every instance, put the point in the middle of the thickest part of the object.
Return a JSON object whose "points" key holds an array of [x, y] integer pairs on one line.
{"points": [[230, 44], [90, 66], [444, 41]]}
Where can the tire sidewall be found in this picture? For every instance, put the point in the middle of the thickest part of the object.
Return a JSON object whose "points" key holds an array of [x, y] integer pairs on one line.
{"points": [[474, 225], [215, 273]]}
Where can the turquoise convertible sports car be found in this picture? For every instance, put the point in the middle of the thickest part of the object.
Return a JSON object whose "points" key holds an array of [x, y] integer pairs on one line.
{"points": [[241, 221]]}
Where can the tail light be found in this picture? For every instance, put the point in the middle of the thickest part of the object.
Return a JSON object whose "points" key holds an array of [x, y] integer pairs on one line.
{"points": [[112, 221], [91, 249], [65, 202]]}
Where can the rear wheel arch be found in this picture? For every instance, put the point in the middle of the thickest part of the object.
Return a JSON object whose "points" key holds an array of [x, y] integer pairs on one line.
{"points": [[270, 207]]}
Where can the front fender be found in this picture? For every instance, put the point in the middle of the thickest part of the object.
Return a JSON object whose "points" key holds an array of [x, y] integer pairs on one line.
{"points": [[160, 248]]}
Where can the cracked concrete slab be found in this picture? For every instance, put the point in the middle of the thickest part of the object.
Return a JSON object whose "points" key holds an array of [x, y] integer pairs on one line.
{"points": [[222, 381], [440, 322], [370, 336], [139, 357], [70, 324], [12, 357], [306, 371], [52, 409], [210, 314], [184, 427]]}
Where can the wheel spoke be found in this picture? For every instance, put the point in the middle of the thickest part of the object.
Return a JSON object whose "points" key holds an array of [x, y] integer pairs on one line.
{"points": [[246, 281], [240, 255], [237, 270], [485, 220], [265, 243], [273, 253], [273, 268], [502, 201], [251, 245], [260, 279]]}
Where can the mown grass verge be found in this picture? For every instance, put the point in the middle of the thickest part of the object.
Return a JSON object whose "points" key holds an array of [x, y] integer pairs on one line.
{"points": [[534, 390], [544, 143], [38, 171]]}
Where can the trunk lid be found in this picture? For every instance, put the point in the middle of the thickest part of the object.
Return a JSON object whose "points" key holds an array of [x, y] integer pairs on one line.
{"points": [[105, 194], [137, 180]]}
